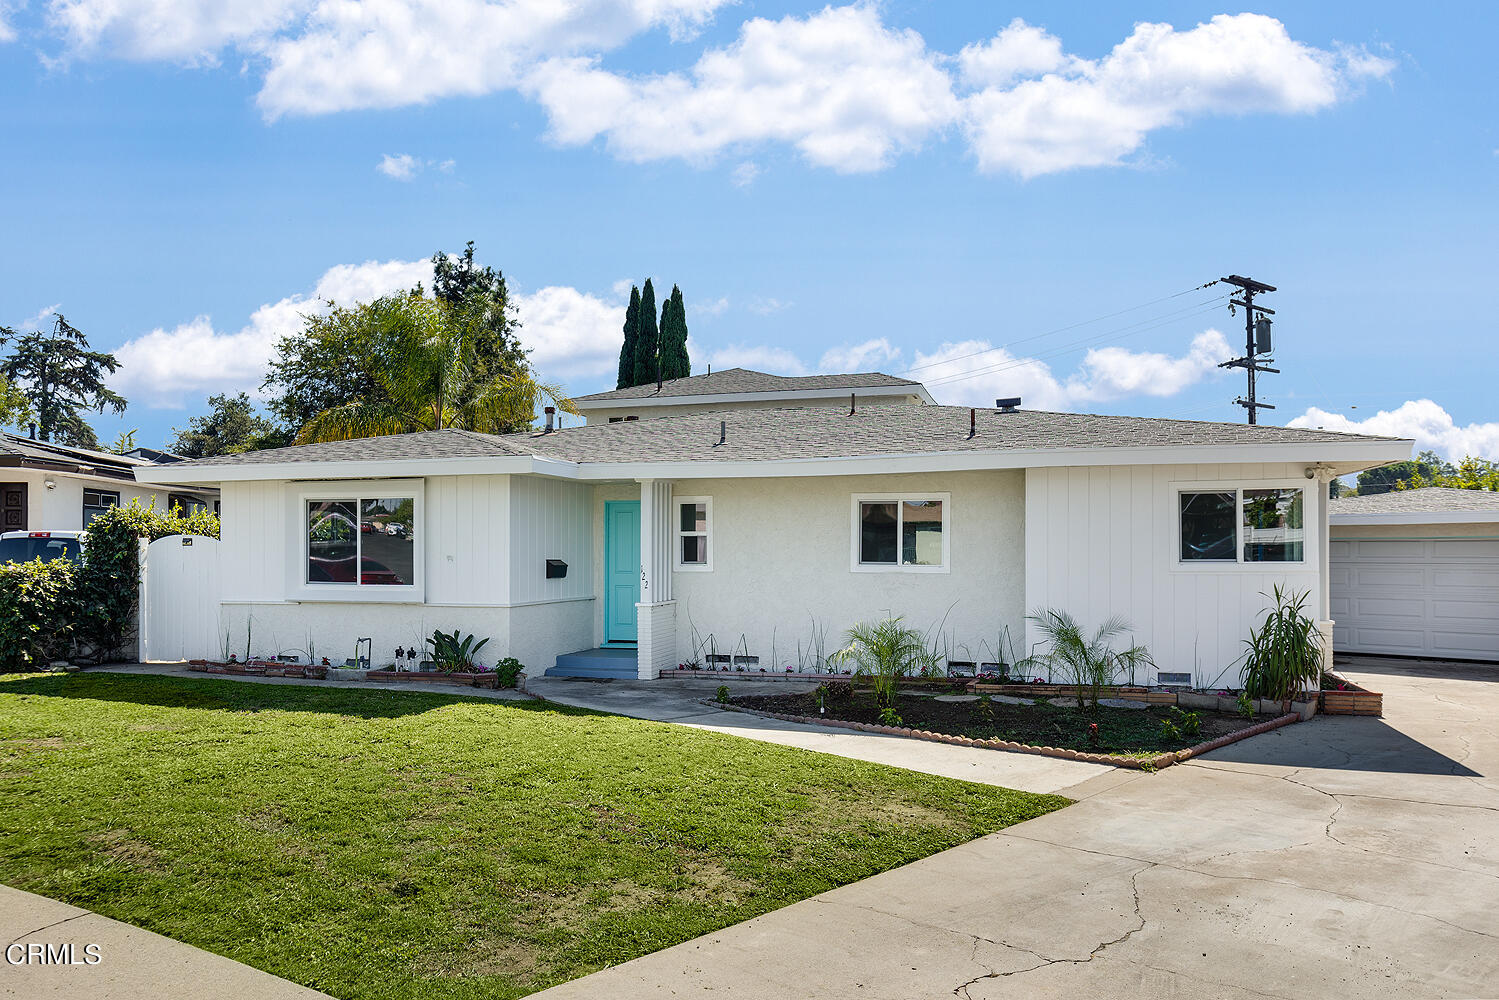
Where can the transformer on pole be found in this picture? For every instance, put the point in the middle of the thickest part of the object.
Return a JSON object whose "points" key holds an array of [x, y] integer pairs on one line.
{"points": [[1257, 341]]}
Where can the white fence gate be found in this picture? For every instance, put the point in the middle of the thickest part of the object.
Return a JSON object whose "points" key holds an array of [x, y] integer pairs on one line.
{"points": [[179, 615]]}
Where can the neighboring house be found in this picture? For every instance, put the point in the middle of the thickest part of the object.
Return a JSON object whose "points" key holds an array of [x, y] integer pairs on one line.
{"points": [[53, 487], [1416, 573], [739, 388], [761, 527]]}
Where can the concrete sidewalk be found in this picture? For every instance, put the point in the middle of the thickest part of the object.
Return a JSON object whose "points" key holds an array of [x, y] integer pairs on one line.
{"points": [[133, 964], [1345, 857], [681, 702]]}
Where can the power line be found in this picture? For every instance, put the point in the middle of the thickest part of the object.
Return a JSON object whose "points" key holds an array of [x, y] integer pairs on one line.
{"points": [[1064, 329]]}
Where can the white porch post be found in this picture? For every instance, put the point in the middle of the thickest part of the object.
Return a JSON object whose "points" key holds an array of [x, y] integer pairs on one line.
{"points": [[1324, 563], [656, 614]]}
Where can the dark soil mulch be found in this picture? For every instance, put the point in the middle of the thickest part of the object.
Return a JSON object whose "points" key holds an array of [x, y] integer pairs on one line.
{"points": [[1127, 731]]}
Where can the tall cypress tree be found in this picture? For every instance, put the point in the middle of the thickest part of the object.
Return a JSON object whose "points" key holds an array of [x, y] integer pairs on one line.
{"points": [[674, 360], [632, 333], [647, 341]]}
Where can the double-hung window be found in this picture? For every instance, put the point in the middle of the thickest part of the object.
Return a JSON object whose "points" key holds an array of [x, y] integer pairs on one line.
{"points": [[901, 533], [1256, 525], [693, 527], [96, 502]]}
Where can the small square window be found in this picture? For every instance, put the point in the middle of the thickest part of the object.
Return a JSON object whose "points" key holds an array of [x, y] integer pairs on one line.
{"points": [[1207, 527], [96, 502], [901, 533]]}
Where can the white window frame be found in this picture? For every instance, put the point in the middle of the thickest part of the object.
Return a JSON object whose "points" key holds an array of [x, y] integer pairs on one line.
{"points": [[1309, 537], [855, 566], [677, 534], [300, 494]]}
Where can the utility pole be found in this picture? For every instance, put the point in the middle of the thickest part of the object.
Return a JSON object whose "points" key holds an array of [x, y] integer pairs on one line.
{"points": [[1256, 338]]}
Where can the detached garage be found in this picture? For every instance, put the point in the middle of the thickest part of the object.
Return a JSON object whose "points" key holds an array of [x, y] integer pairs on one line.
{"points": [[1416, 573]]}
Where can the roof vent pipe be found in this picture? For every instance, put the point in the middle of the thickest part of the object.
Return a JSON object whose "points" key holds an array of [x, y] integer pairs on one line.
{"points": [[973, 422], [723, 431], [550, 411], [1009, 405], [850, 404]]}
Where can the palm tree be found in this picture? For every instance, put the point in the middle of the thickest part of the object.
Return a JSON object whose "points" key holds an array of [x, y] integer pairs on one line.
{"points": [[1087, 663], [423, 358], [886, 652]]}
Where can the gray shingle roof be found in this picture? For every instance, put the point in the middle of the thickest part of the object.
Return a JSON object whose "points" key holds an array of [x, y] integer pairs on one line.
{"points": [[1427, 500], [422, 444], [799, 432], [733, 380]]}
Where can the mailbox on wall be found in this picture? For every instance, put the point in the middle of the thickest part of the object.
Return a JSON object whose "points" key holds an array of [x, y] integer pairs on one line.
{"points": [[556, 569]]}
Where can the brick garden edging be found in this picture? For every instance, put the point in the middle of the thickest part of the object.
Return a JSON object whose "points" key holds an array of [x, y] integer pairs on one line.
{"points": [[1114, 760]]}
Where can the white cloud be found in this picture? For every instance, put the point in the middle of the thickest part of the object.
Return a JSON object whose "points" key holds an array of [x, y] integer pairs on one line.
{"points": [[1093, 113], [1431, 426], [846, 90], [763, 306], [757, 357], [400, 168], [40, 318], [168, 368], [868, 356], [840, 86], [7, 31], [973, 373], [571, 333], [744, 175]]}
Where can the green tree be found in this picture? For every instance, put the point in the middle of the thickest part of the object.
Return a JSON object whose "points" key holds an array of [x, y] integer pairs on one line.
{"points": [[627, 349], [1469, 474], [1383, 479], [648, 338], [59, 376], [15, 408], [125, 442], [329, 363], [429, 375], [231, 426], [674, 360]]}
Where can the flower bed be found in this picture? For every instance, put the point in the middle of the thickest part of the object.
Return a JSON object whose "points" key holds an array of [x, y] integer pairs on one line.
{"points": [[1149, 735], [259, 668]]}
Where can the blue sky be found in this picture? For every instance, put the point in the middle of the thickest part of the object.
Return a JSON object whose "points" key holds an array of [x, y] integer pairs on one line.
{"points": [[870, 186]]}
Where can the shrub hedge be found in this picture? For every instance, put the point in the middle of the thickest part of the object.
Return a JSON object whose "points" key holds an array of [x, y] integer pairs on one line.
{"points": [[59, 609]]}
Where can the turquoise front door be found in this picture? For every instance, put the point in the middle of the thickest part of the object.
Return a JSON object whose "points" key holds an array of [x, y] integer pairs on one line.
{"points": [[621, 569]]}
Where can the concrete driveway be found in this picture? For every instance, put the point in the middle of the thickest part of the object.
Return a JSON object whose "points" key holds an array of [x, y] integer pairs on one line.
{"points": [[1346, 857]]}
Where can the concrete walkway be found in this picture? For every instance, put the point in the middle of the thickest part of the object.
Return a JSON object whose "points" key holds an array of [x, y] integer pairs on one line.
{"points": [[681, 702], [132, 964], [1345, 857]]}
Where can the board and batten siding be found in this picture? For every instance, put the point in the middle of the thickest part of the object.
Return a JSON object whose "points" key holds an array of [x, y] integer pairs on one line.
{"points": [[468, 540], [1102, 541], [254, 557], [550, 519]]}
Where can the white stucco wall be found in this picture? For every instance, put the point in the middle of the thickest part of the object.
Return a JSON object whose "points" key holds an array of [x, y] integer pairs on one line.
{"points": [[1103, 541], [781, 551]]}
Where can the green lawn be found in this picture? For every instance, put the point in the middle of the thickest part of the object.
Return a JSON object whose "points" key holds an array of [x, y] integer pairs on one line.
{"points": [[392, 844]]}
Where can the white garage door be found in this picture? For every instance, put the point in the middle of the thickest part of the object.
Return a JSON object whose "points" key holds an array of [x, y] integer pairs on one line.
{"points": [[1435, 597]]}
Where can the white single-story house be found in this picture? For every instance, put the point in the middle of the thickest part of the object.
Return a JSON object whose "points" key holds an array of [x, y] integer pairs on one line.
{"points": [[627, 548], [53, 487], [740, 389], [1416, 573]]}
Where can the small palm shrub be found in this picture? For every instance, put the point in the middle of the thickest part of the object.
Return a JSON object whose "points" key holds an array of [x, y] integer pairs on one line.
{"points": [[885, 652], [1088, 663], [450, 653], [1284, 656]]}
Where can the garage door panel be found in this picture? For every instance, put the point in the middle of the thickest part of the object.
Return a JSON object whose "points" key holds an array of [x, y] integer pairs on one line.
{"points": [[1417, 597], [1481, 549], [1472, 643], [1400, 551], [1340, 550]]}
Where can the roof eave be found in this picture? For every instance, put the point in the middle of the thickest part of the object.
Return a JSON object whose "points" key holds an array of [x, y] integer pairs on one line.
{"points": [[1418, 517], [208, 475]]}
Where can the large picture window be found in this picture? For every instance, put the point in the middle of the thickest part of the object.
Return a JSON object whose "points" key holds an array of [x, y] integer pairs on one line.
{"points": [[1243, 525], [364, 542], [901, 533]]}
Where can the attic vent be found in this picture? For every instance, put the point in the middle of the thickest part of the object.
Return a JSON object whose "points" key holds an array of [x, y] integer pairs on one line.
{"points": [[1007, 405]]}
